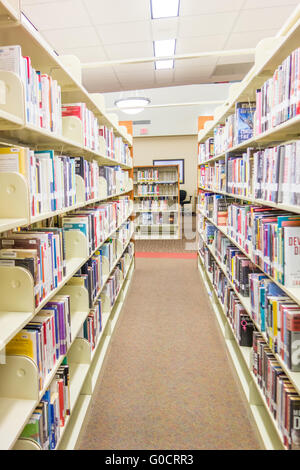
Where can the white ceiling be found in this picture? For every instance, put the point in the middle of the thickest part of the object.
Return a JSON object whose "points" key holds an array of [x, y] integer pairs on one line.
{"points": [[104, 30]]}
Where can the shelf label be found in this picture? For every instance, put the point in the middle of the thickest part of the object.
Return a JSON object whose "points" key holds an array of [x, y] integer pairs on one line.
{"points": [[2, 353], [2, 92]]}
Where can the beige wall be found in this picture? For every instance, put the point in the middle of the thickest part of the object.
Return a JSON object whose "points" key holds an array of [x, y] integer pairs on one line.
{"points": [[145, 149]]}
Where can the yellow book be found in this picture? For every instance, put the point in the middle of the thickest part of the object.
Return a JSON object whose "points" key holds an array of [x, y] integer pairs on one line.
{"points": [[14, 160], [23, 344]]}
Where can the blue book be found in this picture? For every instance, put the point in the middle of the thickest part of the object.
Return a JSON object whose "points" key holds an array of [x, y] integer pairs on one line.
{"points": [[244, 113], [76, 223]]}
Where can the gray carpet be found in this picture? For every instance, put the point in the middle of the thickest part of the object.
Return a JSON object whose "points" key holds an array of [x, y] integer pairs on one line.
{"points": [[167, 381]]}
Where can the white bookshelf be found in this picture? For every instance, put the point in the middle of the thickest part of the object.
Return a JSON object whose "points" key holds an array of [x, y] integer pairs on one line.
{"points": [[19, 389], [270, 54], [157, 213]]}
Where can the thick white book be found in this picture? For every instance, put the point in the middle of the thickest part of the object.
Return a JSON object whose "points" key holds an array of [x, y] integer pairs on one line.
{"points": [[11, 59]]}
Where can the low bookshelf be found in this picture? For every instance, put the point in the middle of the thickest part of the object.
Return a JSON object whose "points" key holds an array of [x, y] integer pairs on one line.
{"points": [[156, 202]]}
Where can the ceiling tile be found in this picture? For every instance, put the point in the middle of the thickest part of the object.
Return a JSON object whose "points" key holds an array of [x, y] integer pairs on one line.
{"points": [[131, 83], [58, 14], [36, 2], [200, 44], [86, 54], [249, 4], [117, 11], [196, 7], [194, 73], [165, 28], [257, 19], [71, 37], [203, 25], [248, 39], [192, 64], [163, 76], [129, 50], [240, 59], [100, 80], [134, 70], [124, 32]]}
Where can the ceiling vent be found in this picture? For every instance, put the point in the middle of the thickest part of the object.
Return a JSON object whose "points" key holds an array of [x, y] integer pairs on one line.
{"points": [[228, 70], [141, 122]]}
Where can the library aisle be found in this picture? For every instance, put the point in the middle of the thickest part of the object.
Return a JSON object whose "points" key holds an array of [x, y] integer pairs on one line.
{"points": [[167, 382]]}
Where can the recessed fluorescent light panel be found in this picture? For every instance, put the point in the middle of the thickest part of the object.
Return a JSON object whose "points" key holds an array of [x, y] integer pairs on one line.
{"points": [[164, 8], [164, 64], [164, 48]]}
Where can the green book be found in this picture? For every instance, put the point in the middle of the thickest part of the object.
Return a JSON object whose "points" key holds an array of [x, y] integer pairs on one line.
{"points": [[32, 429]]}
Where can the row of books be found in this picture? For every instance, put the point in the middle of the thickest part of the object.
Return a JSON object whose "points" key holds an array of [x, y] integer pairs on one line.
{"points": [[271, 174], [90, 126], [115, 280], [49, 417], [281, 397], [206, 150], [155, 189], [279, 98], [97, 222], [161, 204], [277, 101], [114, 177], [116, 149], [51, 178], [269, 236], [46, 337], [44, 108], [275, 314], [215, 206], [238, 174], [42, 251], [156, 175], [239, 319], [238, 127], [276, 174], [238, 266], [92, 326], [42, 93], [91, 275], [213, 176], [156, 218], [280, 394], [146, 175], [89, 171], [278, 316]]}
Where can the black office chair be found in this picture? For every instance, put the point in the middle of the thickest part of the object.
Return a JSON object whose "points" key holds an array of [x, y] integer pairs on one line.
{"points": [[183, 199]]}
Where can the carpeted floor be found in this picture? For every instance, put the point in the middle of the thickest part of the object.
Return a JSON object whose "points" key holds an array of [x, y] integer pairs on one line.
{"points": [[167, 381]]}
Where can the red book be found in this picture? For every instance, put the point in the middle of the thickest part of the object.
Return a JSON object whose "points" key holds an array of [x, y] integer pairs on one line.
{"points": [[60, 384]]}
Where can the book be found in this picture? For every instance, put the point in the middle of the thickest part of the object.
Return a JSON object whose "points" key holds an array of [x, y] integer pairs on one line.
{"points": [[291, 237], [244, 115]]}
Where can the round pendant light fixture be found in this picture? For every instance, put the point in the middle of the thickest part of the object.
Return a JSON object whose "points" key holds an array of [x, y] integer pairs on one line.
{"points": [[132, 105]]}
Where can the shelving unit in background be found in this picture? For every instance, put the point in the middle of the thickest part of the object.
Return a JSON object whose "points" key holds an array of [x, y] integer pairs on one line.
{"points": [[19, 389], [156, 202], [270, 54]]}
